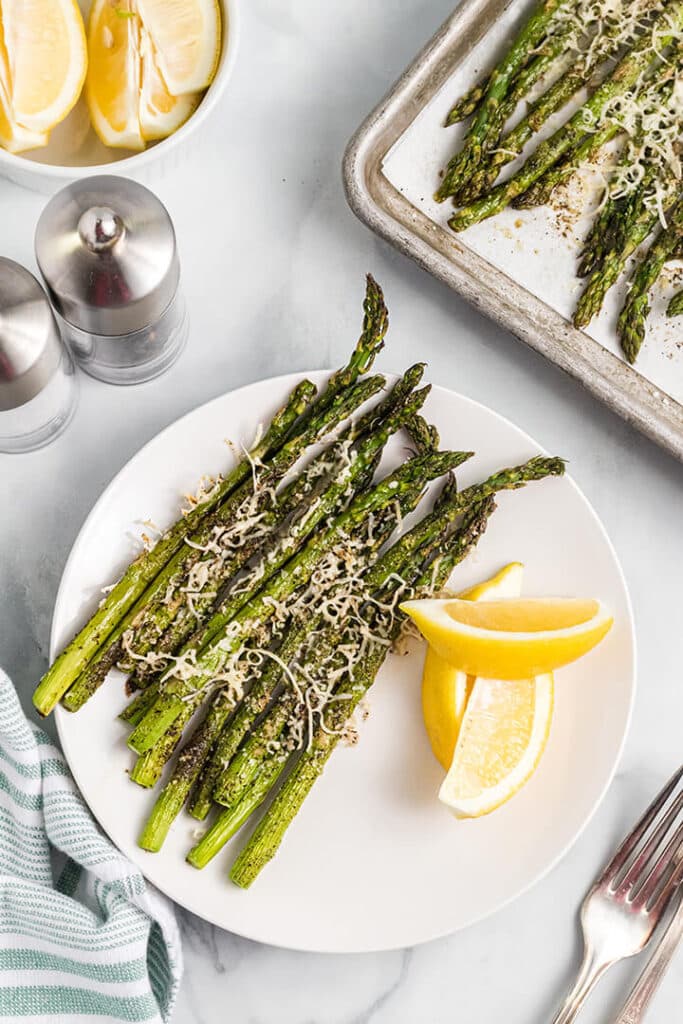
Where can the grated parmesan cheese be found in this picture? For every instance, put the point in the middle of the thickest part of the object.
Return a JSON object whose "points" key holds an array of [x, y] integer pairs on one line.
{"points": [[208, 486], [595, 31], [648, 118]]}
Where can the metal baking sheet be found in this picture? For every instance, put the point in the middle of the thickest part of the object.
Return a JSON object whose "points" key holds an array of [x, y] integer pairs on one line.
{"points": [[518, 267]]}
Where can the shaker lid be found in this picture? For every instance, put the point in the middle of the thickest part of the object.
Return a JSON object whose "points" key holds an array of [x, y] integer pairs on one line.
{"points": [[30, 343], [107, 251]]}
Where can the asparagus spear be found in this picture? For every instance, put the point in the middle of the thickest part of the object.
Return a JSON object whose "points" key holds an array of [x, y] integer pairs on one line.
{"points": [[296, 574], [424, 435], [184, 629], [624, 76], [140, 704], [173, 796], [231, 819], [265, 688], [74, 658], [611, 228], [192, 758], [633, 316], [675, 307], [233, 782], [160, 611], [157, 608], [170, 801], [490, 117], [589, 68], [537, 468], [642, 221], [446, 512], [270, 831], [235, 730], [238, 603], [541, 192], [370, 344], [527, 78], [149, 766], [512, 143], [255, 764], [618, 212], [296, 492], [467, 104], [605, 234], [398, 408]]}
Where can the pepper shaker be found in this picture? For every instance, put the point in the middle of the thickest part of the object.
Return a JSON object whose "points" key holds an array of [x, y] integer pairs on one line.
{"points": [[38, 388], [107, 251]]}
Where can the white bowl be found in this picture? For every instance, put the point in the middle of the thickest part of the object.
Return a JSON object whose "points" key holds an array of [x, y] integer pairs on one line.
{"points": [[46, 170]]}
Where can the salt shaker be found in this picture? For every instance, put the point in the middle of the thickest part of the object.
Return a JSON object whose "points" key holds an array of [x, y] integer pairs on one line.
{"points": [[107, 251], [38, 387]]}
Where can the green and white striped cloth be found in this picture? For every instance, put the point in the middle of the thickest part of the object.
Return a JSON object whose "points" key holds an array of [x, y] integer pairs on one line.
{"points": [[86, 940]]}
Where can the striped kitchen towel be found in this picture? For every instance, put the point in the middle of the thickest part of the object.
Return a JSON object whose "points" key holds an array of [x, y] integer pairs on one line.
{"points": [[85, 939]]}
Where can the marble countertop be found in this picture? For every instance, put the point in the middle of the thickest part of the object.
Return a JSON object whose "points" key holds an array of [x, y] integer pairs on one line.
{"points": [[273, 272]]}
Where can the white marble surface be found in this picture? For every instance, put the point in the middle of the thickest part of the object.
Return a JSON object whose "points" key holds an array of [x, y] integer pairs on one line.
{"points": [[273, 269]]}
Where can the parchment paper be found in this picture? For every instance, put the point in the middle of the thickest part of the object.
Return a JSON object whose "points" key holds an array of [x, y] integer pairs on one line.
{"points": [[537, 248]]}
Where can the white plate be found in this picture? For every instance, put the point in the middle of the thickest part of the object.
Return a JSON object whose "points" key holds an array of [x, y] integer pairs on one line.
{"points": [[373, 861]]}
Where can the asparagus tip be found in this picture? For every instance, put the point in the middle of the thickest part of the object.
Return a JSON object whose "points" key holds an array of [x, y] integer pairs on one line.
{"points": [[675, 307]]}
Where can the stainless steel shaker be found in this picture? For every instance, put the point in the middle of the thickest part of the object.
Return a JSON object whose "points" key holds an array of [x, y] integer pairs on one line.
{"points": [[38, 386], [107, 251]]}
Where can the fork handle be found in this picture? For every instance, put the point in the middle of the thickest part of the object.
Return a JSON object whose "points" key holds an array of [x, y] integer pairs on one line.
{"points": [[590, 972], [634, 1009]]}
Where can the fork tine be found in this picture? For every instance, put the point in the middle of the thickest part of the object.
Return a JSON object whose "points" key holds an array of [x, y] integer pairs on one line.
{"points": [[670, 858], [639, 867], [676, 880], [621, 857]]}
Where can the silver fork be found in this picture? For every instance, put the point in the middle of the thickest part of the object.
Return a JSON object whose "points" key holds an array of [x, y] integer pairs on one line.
{"points": [[634, 1009], [625, 904]]}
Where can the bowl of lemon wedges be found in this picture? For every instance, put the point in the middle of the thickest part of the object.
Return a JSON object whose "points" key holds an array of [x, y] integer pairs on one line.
{"points": [[122, 83]]}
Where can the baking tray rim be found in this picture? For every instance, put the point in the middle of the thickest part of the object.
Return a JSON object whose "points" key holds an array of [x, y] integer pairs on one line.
{"points": [[378, 204]]}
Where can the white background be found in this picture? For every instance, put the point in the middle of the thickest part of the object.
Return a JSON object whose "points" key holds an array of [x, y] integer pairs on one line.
{"points": [[273, 271]]}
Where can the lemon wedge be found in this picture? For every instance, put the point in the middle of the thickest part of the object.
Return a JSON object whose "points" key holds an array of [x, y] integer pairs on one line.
{"points": [[506, 583], [503, 734], [445, 692], [187, 38], [47, 60], [112, 87], [13, 137], [510, 639], [445, 689], [161, 114]]}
